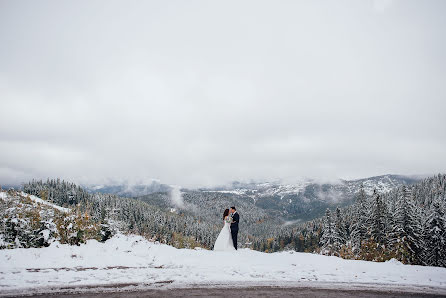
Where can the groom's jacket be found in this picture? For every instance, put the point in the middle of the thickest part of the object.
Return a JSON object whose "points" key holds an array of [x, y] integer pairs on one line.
{"points": [[235, 220]]}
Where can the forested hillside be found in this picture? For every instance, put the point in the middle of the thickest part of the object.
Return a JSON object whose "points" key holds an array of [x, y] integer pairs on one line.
{"points": [[128, 215], [295, 200], [408, 223]]}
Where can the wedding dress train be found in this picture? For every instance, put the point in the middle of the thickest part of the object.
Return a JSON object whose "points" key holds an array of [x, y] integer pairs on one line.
{"points": [[224, 239]]}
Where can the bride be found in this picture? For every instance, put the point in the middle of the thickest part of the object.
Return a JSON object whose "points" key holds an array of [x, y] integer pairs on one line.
{"points": [[224, 239]]}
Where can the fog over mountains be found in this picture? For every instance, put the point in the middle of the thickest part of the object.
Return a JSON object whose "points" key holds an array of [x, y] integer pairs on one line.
{"points": [[380, 183], [302, 200], [290, 202]]}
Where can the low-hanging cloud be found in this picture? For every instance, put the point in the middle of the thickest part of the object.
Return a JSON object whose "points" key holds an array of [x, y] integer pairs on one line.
{"points": [[176, 196], [205, 93]]}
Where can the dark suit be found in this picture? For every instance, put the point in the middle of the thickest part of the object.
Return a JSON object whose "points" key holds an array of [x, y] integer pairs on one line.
{"points": [[234, 228]]}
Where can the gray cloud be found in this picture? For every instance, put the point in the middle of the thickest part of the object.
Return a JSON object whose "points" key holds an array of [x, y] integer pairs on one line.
{"points": [[198, 93]]}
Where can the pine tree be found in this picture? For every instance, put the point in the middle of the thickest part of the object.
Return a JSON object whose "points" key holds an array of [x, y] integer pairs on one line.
{"points": [[435, 237], [360, 217], [338, 232], [406, 231], [377, 220], [327, 239]]}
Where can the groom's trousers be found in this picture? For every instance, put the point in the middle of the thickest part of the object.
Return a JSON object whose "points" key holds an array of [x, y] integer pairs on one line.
{"points": [[234, 237]]}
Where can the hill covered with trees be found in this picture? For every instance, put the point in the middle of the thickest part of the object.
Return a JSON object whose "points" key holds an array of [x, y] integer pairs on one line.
{"points": [[408, 223]]}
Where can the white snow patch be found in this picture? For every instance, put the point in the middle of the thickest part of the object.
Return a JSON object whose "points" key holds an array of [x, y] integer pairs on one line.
{"points": [[237, 191], [394, 261], [132, 259], [39, 200], [46, 234]]}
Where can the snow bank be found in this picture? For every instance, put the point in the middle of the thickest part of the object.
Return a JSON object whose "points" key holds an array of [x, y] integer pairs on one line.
{"points": [[134, 260], [39, 200]]}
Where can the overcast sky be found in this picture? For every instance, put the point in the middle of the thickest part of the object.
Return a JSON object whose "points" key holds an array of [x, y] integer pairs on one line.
{"points": [[205, 92]]}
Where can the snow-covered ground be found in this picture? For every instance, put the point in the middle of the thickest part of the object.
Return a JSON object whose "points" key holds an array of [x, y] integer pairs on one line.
{"points": [[40, 201], [135, 261]]}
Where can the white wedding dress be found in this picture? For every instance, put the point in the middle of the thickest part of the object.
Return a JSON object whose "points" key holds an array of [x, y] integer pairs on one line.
{"points": [[224, 239]]}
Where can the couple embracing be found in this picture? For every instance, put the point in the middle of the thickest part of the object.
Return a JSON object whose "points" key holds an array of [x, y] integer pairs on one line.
{"points": [[227, 239]]}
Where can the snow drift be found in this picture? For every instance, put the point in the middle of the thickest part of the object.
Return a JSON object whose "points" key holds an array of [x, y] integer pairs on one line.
{"points": [[134, 260]]}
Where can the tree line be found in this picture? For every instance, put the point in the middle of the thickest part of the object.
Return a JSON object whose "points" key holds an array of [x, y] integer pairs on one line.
{"points": [[407, 223]]}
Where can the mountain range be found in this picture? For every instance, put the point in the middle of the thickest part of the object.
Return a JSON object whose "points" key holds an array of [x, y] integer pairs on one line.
{"points": [[382, 183], [303, 200], [300, 201]]}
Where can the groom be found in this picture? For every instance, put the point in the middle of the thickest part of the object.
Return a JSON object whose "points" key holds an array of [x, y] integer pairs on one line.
{"points": [[234, 225]]}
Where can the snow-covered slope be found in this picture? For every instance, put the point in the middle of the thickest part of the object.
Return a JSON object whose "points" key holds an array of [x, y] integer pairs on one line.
{"points": [[138, 262], [262, 189], [273, 188], [26, 220], [39, 201], [128, 189], [381, 183], [29, 221]]}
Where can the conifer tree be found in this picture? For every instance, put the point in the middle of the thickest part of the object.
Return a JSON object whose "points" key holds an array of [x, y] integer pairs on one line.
{"points": [[406, 232], [338, 232], [377, 219], [435, 237], [327, 239], [360, 220]]}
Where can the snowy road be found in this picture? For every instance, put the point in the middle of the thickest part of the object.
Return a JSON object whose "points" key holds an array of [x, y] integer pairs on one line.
{"points": [[136, 262], [253, 292]]}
